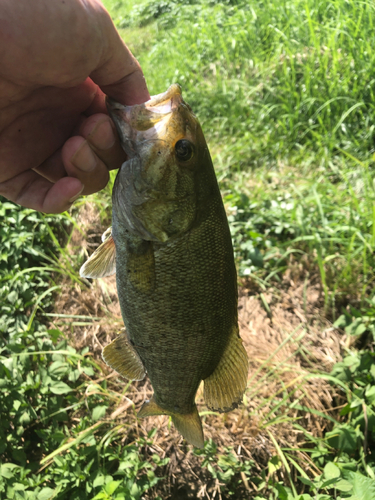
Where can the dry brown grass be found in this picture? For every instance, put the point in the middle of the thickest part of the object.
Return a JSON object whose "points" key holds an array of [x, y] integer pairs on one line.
{"points": [[288, 342]]}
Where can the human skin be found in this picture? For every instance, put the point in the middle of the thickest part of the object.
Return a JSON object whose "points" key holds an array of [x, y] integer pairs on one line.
{"points": [[58, 59]]}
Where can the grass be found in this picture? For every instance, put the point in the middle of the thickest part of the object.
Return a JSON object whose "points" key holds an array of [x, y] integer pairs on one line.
{"points": [[284, 91], [278, 84]]}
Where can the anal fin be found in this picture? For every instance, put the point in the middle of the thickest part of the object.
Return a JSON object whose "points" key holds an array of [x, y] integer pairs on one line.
{"points": [[122, 357], [103, 261], [189, 425], [224, 388]]}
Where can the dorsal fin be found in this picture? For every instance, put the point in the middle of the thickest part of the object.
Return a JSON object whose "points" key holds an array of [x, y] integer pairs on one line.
{"points": [[103, 261], [224, 388]]}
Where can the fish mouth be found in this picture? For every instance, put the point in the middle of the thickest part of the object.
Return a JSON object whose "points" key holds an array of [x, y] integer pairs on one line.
{"points": [[143, 122], [161, 103]]}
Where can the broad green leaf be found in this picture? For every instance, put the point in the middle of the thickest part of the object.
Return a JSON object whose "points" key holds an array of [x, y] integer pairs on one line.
{"points": [[98, 481], [16, 404], [60, 388], [98, 412], [283, 493], [6, 470], [340, 322], [25, 418], [74, 375], [343, 485], [343, 437], [331, 471], [58, 368], [274, 464], [100, 495], [111, 487], [12, 297], [363, 487], [46, 494], [330, 483], [135, 491], [370, 394], [18, 486], [304, 480], [88, 370]]}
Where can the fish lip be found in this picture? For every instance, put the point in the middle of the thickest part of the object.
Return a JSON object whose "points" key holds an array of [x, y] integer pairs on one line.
{"points": [[173, 96], [173, 92]]}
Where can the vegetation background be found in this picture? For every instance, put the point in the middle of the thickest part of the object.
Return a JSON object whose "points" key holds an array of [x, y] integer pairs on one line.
{"points": [[285, 94]]}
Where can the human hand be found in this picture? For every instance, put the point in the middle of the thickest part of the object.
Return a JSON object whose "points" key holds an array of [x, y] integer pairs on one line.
{"points": [[58, 59]]}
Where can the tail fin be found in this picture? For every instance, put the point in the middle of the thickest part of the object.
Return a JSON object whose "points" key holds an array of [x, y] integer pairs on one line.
{"points": [[190, 426], [187, 424]]}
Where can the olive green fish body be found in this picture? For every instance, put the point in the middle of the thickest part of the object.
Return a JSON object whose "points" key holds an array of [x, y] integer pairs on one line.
{"points": [[180, 326], [171, 249]]}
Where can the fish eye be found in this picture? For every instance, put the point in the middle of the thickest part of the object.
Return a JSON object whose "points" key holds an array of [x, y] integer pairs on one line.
{"points": [[184, 150]]}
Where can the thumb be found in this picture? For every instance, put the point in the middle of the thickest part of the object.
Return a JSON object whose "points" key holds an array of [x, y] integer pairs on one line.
{"points": [[119, 74]]}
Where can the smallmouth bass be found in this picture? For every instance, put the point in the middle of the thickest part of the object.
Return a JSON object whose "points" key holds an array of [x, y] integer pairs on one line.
{"points": [[171, 249]]}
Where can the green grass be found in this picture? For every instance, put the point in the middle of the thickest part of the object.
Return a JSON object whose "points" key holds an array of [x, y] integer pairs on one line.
{"points": [[284, 94], [270, 79], [284, 91]]}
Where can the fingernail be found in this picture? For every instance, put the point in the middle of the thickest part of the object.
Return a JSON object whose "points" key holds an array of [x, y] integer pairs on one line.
{"points": [[77, 195], [103, 135], [84, 159]]}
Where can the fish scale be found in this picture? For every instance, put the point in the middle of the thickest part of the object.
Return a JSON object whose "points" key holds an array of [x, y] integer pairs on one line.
{"points": [[175, 271]]}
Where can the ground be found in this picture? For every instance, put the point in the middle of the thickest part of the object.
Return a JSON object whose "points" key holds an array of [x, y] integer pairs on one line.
{"points": [[289, 344]]}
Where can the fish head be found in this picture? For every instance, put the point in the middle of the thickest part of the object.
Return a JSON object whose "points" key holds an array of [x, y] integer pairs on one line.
{"points": [[155, 190]]}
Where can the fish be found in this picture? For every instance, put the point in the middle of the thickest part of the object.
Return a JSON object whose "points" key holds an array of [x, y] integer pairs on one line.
{"points": [[170, 247]]}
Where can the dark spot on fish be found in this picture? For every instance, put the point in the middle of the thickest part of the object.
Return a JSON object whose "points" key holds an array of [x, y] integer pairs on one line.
{"points": [[19, 130], [159, 152]]}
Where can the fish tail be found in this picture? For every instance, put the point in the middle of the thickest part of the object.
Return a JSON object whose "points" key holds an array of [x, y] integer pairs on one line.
{"points": [[187, 424], [190, 426]]}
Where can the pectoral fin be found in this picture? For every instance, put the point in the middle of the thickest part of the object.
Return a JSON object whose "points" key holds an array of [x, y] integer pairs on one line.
{"points": [[103, 261], [140, 265], [189, 425], [122, 357], [224, 388]]}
